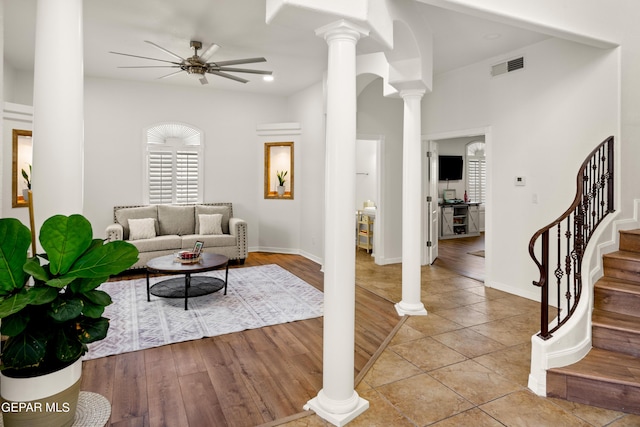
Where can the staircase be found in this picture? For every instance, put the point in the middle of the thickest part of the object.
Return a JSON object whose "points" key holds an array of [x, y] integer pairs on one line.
{"points": [[609, 376]]}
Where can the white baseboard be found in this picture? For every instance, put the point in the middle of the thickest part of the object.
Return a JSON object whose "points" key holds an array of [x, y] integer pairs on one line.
{"points": [[532, 293], [287, 251]]}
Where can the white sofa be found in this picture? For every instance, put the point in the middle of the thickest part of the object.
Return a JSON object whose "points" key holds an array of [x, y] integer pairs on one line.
{"points": [[165, 229]]}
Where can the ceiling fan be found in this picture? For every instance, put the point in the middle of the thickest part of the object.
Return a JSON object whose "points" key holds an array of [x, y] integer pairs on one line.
{"points": [[198, 66]]}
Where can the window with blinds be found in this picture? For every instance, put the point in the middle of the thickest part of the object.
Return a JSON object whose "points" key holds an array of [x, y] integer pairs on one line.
{"points": [[187, 176], [160, 177], [476, 177], [476, 172], [174, 175]]}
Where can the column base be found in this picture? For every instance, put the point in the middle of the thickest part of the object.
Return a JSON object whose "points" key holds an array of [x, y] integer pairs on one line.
{"points": [[405, 309], [341, 419]]}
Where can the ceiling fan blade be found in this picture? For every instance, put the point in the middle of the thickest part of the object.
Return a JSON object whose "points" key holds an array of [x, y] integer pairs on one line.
{"points": [[229, 76], [244, 70], [170, 74], [203, 80], [165, 50], [237, 61], [151, 66], [209, 52], [144, 57]]}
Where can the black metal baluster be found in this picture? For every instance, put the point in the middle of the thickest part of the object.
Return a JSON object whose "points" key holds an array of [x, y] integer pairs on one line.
{"points": [[591, 204]]}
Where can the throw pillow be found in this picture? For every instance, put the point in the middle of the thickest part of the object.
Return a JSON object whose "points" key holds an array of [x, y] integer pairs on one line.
{"points": [[124, 214], [142, 228], [208, 209], [210, 224]]}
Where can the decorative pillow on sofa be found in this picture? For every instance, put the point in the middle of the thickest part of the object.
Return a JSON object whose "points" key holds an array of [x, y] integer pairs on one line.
{"points": [[142, 228], [209, 210], [124, 214], [210, 223]]}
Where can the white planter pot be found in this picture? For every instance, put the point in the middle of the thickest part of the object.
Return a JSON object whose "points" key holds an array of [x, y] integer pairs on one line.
{"points": [[280, 189], [47, 400], [25, 195]]}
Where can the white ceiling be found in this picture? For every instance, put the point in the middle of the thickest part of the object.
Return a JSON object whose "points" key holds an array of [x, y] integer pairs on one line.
{"points": [[297, 58]]}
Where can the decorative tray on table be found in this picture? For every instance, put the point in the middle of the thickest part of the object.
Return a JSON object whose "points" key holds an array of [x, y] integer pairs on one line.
{"points": [[188, 257]]}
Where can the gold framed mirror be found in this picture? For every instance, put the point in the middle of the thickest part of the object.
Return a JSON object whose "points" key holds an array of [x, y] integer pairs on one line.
{"points": [[21, 167], [278, 170]]}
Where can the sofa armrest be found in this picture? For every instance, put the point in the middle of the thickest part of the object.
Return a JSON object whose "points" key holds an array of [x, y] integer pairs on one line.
{"points": [[238, 228], [114, 232]]}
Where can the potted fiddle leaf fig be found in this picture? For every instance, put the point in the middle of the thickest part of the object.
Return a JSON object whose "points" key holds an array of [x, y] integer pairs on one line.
{"points": [[51, 309]]}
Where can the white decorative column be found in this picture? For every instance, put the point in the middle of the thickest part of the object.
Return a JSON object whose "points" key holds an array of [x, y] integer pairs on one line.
{"points": [[411, 204], [58, 98], [338, 402]]}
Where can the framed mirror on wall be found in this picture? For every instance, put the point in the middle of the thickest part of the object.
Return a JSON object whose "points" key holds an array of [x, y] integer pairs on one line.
{"points": [[21, 167], [278, 170]]}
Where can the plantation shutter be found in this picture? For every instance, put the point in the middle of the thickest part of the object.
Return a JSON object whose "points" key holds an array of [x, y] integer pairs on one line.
{"points": [[160, 177], [186, 177], [476, 176]]}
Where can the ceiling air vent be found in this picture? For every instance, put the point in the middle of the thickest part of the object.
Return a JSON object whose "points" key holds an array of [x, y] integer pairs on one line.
{"points": [[508, 66]]}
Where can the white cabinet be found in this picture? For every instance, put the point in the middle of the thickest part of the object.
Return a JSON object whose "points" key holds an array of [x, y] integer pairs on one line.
{"points": [[459, 220], [473, 219]]}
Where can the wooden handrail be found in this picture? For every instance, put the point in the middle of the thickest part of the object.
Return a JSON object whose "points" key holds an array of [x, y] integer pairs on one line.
{"points": [[592, 202]]}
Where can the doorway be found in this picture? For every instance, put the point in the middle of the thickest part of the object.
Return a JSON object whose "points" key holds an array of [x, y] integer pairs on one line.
{"points": [[369, 189], [455, 143]]}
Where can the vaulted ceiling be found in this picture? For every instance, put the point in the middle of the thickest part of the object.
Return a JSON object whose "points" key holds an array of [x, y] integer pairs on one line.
{"points": [[296, 57]]}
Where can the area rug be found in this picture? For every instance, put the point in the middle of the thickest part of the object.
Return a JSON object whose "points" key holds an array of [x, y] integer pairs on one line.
{"points": [[477, 253], [256, 297]]}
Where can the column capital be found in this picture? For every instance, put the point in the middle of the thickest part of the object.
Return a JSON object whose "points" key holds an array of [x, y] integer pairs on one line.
{"points": [[342, 29], [412, 93]]}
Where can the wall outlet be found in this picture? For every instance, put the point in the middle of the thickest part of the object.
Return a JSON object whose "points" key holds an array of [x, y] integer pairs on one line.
{"points": [[520, 181]]}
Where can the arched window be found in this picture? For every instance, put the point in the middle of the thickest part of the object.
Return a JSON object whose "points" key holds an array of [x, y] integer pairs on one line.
{"points": [[173, 153], [476, 172]]}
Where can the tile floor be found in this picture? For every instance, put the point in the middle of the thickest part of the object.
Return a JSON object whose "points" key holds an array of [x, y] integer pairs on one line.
{"points": [[464, 364]]}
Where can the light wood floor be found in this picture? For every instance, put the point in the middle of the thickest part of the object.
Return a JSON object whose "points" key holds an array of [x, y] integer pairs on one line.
{"points": [[242, 379], [456, 255]]}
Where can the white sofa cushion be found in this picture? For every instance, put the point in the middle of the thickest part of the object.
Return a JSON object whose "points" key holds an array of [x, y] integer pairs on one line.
{"points": [[142, 228], [159, 243], [225, 211], [210, 240], [178, 220]]}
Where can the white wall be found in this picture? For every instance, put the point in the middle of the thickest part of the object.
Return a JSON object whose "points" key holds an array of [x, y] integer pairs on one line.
{"points": [[17, 85], [116, 112], [617, 23], [306, 108], [366, 172], [544, 119]]}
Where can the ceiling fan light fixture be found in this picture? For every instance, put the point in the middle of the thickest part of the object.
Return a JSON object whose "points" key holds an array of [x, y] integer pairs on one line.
{"points": [[199, 65], [196, 70], [268, 77]]}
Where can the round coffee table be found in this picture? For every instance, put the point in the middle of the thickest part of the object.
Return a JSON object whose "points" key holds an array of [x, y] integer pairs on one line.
{"points": [[189, 287]]}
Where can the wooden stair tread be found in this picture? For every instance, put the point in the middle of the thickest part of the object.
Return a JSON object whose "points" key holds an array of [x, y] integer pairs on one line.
{"points": [[623, 255], [605, 365], [617, 321], [636, 232], [620, 285]]}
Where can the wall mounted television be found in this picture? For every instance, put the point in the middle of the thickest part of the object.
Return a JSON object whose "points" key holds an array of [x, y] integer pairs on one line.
{"points": [[450, 168]]}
